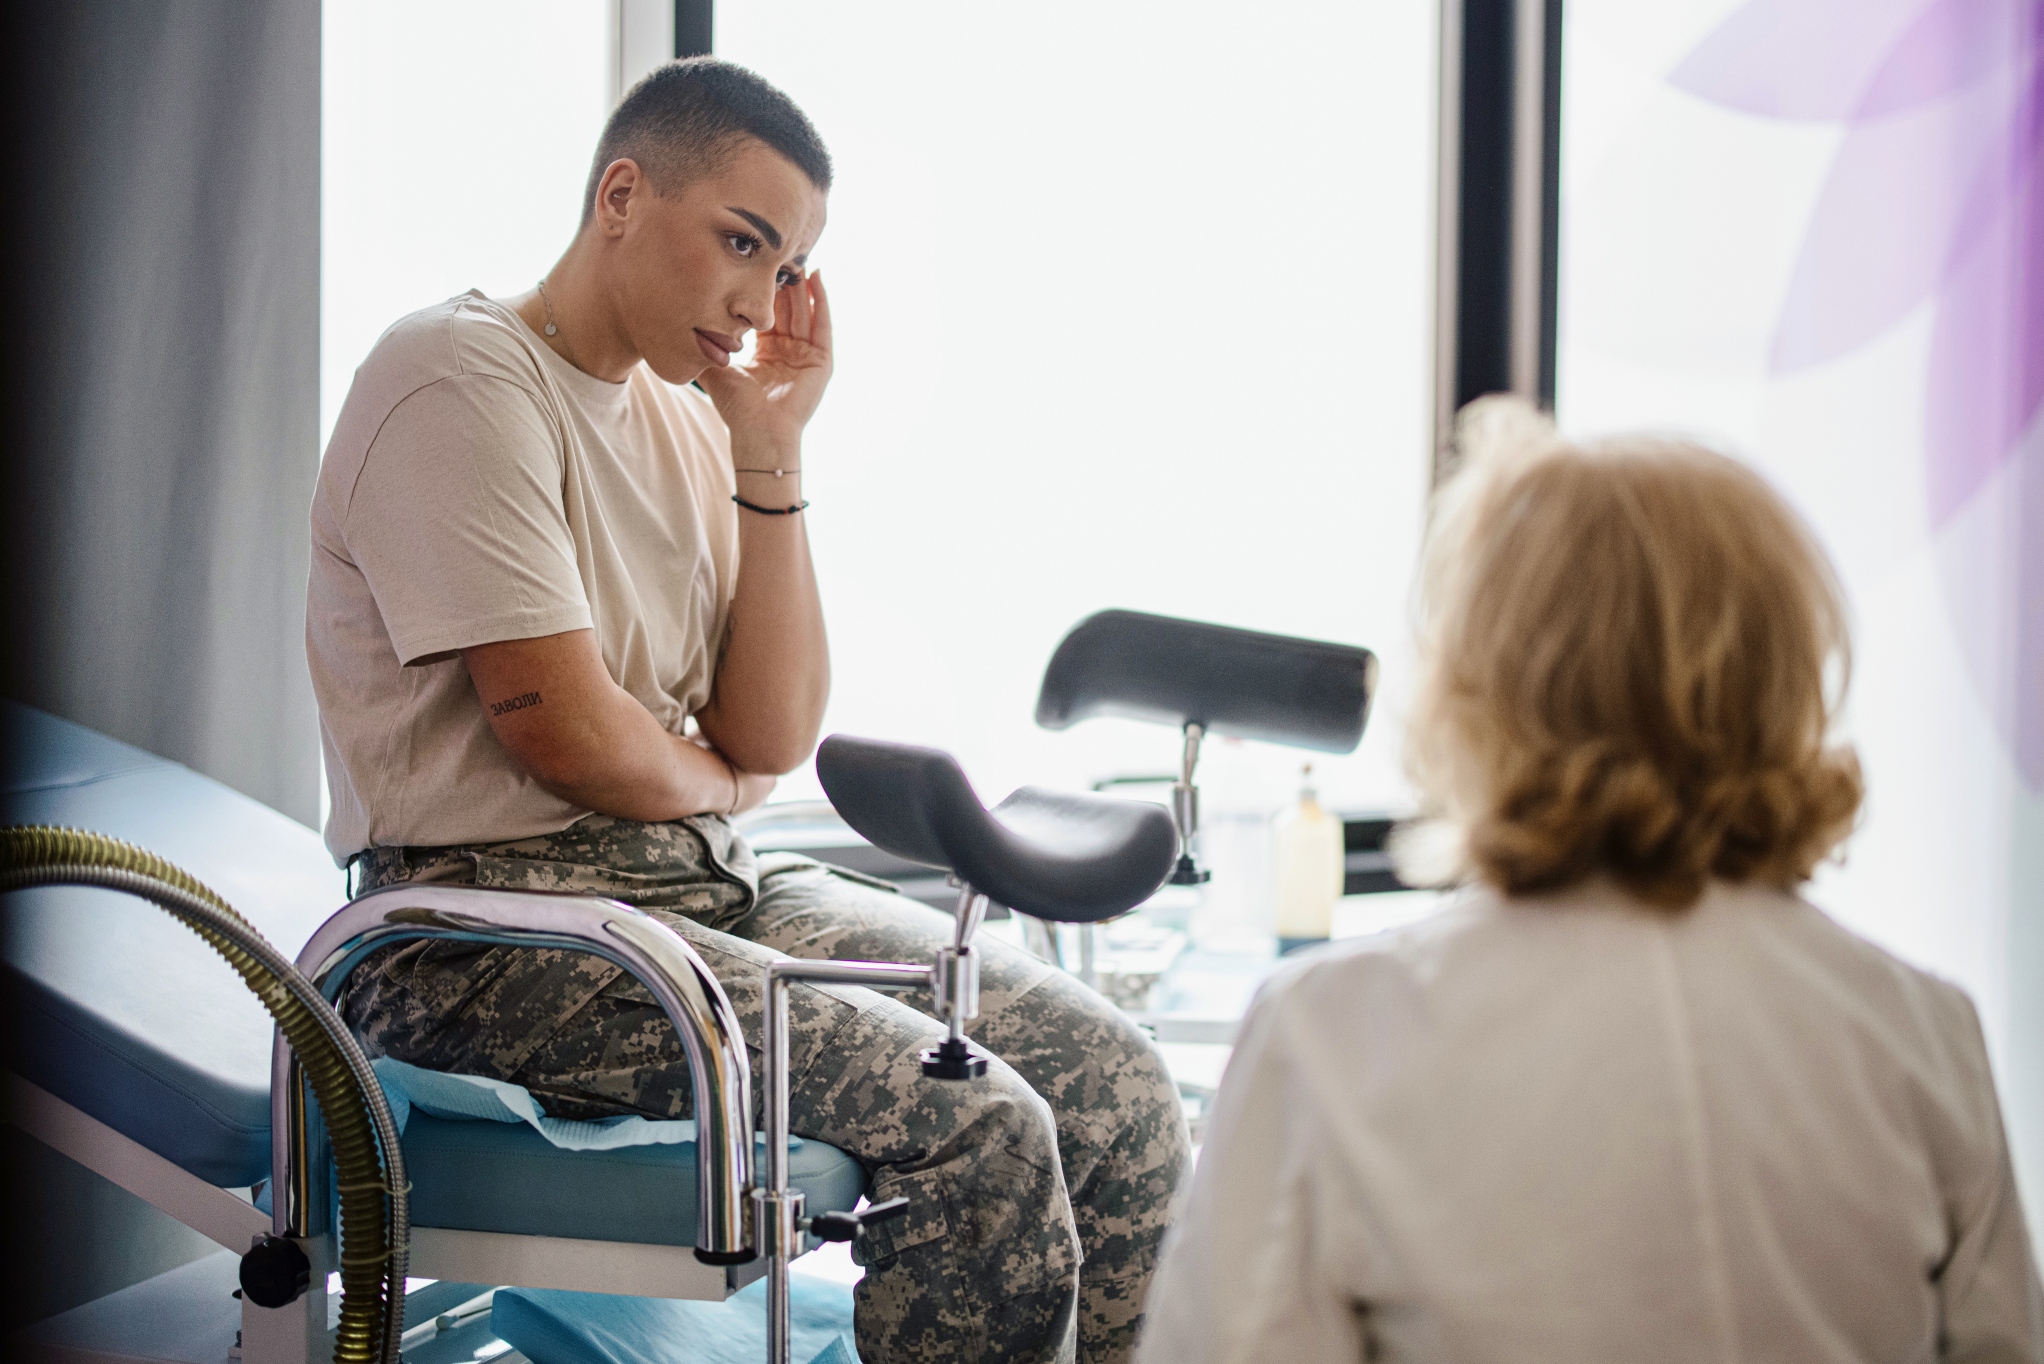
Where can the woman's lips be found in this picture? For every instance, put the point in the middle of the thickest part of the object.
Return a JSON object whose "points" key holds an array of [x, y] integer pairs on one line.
{"points": [[716, 348]]}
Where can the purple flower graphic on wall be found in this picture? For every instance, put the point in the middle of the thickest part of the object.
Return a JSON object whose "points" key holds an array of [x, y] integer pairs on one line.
{"points": [[1936, 197]]}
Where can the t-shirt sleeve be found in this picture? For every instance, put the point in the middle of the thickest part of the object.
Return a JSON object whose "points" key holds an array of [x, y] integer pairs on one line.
{"points": [[457, 521]]}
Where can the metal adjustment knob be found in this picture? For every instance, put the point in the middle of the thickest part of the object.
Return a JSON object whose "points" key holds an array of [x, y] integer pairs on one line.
{"points": [[843, 1226], [275, 1272], [953, 1060]]}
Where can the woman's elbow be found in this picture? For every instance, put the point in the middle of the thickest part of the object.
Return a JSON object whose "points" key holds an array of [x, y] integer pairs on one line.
{"points": [[560, 765], [769, 745], [771, 755], [560, 774]]}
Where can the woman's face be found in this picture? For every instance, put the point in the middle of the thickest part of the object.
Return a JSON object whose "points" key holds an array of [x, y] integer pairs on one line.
{"points": [[698, 268]]}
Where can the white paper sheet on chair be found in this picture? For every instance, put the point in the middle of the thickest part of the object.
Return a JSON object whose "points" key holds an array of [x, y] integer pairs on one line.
{"points": [[476, 1098]]}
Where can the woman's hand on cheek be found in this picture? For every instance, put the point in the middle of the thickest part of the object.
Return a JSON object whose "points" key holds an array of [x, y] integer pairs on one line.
{"points": [[768, 400]]}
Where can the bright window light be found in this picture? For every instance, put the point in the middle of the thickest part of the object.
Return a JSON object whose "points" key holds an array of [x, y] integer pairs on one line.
{"points": [[1131, 311], [455, 135]]}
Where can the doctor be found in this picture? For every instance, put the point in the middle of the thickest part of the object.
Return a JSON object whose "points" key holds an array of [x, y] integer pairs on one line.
{"points": [[1626, 1095], [563, 624]]}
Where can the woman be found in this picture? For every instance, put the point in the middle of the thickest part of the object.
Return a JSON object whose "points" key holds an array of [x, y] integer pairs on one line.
{"points": [[562, 622], [1626, 1096]]}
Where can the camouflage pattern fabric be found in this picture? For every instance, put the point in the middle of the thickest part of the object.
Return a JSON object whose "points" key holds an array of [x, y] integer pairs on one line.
{"points": [[1037, 1196]]}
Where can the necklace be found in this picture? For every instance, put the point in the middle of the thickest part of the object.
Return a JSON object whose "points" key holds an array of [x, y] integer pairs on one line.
{"points": [[551, 329]]}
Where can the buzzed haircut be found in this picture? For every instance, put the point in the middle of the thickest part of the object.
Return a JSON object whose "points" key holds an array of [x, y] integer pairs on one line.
{"points": [[681, 121]]}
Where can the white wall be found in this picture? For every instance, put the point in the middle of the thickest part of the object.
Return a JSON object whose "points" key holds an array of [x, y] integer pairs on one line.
{"points": [[1733, 223]]}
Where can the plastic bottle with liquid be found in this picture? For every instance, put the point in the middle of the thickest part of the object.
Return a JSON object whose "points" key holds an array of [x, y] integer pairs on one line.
{"points": [[1308, 858]]}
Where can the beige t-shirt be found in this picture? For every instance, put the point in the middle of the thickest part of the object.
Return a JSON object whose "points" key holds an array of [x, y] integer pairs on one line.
{"points": [[480, 488]]}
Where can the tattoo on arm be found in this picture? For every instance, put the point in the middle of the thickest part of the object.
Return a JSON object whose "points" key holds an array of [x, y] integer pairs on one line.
{"points": [[505, 707]]}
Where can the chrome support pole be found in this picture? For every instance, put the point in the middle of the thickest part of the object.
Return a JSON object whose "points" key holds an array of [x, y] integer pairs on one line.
{"points": [[969, 914], [954, 980], [953, 983], [1184, 795], [1040, 937], [777, 1209], [738, 1220], [1185, 810], [657, 956], [293, 1209]]}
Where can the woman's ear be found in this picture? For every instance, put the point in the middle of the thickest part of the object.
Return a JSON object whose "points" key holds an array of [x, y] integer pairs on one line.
{"points": [[622, 179]]}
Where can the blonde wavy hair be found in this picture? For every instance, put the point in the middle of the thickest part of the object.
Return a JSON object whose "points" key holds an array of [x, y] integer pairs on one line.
{"points": [[1624, 656]]}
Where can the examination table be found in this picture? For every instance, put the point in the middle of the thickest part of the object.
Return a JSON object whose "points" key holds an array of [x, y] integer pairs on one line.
{"points": [[135, 1051]]}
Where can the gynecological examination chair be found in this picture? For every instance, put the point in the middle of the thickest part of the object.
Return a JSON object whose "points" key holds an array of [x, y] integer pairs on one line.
{"points": [[245, 1110]]}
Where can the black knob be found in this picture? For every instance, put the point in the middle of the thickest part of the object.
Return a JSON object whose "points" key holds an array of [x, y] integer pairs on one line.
{"points": [[953, 1061], [884, 1212], [843, 1226], [275, 1272], [1187, 873], [834, 1226]]}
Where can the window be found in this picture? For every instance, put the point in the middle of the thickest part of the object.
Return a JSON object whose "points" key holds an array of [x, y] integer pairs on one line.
{"points": [[455, 137], [1131, 312]]}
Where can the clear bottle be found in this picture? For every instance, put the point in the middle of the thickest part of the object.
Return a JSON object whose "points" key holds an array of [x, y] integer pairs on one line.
{"points": [[1308, 858]]}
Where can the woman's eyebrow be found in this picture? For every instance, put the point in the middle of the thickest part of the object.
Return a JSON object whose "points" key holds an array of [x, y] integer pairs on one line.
{"points": [[766, 229]]}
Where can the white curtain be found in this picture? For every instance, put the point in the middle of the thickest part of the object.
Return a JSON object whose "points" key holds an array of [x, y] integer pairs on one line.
{"points": [[162, 340]]}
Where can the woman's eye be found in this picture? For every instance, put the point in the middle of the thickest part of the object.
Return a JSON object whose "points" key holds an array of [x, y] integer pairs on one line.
{"points": [[789, 278], [742, 244]]}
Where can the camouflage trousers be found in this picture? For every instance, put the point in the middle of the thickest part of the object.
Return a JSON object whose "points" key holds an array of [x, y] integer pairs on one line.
{"points": [[1037, 1196]]}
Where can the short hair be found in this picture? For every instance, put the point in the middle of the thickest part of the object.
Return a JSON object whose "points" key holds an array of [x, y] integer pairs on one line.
{"points": [[1624, 658], [683, 119]]}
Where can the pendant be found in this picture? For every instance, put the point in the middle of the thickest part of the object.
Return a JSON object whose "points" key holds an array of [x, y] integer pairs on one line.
{"points": [[552, 330]]}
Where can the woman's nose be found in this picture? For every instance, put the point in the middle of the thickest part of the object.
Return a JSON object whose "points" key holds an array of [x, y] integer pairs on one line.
{"points": [[756, 307]]}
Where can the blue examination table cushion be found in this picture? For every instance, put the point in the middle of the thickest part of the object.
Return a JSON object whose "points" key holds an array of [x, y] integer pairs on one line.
{"points": [[580, 1179], [549, 1326], [119, 1009], [123, 1012]]}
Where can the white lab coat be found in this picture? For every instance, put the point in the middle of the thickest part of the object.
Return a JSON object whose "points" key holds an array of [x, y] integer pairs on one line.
{"points": [[1570, 1129]]}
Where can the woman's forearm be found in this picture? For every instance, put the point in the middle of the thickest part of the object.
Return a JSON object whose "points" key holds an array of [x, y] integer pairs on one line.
{"points": [[652, 776], [773, 677], [590, 742]]}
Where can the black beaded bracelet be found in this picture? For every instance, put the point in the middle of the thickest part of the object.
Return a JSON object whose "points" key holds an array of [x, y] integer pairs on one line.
{"points": [[769, 511]]}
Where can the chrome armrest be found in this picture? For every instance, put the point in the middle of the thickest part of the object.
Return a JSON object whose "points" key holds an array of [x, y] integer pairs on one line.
{"points": [[651, 951]]}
